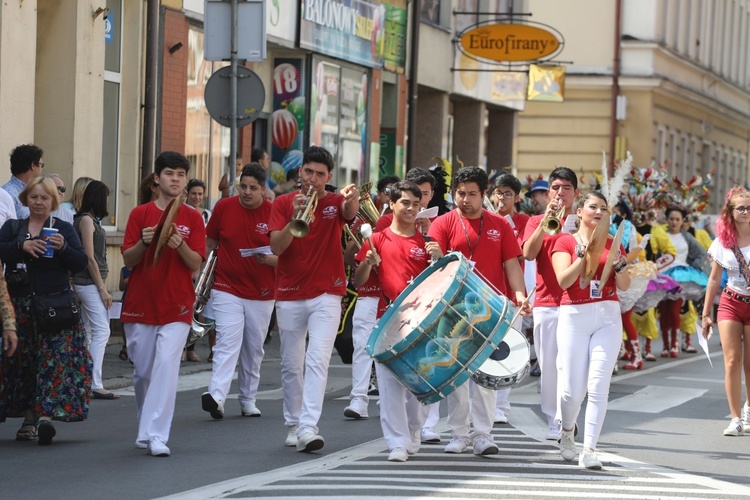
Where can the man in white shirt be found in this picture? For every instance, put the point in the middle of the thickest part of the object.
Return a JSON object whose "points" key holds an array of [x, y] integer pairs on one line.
{"points": [[7, 207], [61, 213]]}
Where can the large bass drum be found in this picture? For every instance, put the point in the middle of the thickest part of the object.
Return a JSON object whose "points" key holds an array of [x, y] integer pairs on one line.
{"points": [[440, 329], [507, 365]]}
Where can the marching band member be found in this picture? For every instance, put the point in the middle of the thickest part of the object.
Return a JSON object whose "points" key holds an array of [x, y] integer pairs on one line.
{"points": [[563, 188], [487, 240], [730, 251], [158, 308], [506, 194], [425, 181], [400, 254], [589, 329], [310, 281], [243, 291]]}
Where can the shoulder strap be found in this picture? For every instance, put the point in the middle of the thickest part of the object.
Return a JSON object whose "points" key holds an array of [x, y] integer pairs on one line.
{"points": [[742, 262]]}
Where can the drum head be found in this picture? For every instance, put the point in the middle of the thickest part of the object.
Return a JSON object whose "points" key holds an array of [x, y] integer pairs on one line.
{"points": [[511, 356]]}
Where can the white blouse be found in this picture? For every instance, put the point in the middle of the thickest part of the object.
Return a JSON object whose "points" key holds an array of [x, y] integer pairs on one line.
{"points": [[726, 259]]}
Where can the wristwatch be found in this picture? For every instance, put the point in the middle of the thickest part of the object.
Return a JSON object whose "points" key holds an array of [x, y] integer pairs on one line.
{"points": [[580, 251], [621, 266]]}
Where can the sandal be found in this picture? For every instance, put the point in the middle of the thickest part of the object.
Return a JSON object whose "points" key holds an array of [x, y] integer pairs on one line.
{"points": [[25, 433], [123, 353], [191, 356]]}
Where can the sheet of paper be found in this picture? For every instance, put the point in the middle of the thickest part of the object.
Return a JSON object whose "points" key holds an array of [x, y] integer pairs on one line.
{"points": [[114, 310], [570, 223], [428, 213], [249, 252], [702, 341]]}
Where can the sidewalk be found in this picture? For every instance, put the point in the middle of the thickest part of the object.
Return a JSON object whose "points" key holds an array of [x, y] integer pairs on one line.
{"points": [[117, 373]]}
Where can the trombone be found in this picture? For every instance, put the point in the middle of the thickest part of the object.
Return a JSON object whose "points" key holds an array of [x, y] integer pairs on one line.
{"points": [[300, 225]]}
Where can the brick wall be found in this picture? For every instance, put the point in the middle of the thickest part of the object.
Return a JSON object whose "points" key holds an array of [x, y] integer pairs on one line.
{"points": [[174, 83]]}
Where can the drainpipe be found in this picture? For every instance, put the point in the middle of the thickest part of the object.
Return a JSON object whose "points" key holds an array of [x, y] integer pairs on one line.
{"points": [[411, 126], [148, 151], [615, 90]]}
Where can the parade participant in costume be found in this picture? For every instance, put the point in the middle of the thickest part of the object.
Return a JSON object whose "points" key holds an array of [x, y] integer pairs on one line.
{"points": [[643, 195], [487, 240], [589, 330], [242, 292], [687, 269], [49, 375], [730, 253], [400, 254], [538, 244], [310, 281], [164, 244]]}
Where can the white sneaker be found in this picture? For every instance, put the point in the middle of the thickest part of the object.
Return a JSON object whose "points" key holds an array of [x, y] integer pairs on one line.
{"points": [[309, 441], [415, 444], [157, 448], [589, 460], [483, 445], [429, 436], [398, 455], [357, 410], [500, 417], [735, 428], [291, 436], [567, 445], [457, 445], [553, 434], [209, 404], [141, 445], [746, 418], [249, 410]]}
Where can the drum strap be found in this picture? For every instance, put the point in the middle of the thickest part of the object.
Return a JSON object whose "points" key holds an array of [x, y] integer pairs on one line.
{"points": [[466, 233]]}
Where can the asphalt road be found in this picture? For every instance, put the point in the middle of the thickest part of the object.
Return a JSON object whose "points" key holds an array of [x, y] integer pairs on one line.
{"points": [[662, 438]]}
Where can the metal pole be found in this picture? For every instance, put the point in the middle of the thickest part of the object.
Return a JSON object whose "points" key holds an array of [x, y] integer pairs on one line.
{"points": [[411, 126], [615, 89], [232, 168], [148, 141]]}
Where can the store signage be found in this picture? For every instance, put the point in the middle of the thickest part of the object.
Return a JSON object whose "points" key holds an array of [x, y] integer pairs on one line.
{"points": [[510, 43]]}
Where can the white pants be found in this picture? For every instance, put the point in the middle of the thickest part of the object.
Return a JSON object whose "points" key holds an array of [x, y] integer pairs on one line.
{"points": [[401, 415], [363, 321], [319, 319], [588, 342], [501, 397], [481, 410], [96, 322], [433, 413], [155, 351], [241, 326], [545, 345]]}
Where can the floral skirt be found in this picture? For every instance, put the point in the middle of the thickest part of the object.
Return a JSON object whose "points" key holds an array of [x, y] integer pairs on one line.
{"points": [[49, 374]]}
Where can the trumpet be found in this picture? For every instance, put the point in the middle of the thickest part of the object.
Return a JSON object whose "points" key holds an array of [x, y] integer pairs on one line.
{"points": [[202, 294], [552, 223], [367, 212], [300, 225]]}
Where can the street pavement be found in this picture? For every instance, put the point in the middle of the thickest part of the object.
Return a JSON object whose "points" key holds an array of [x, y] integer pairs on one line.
{"points": [[662, 439]]}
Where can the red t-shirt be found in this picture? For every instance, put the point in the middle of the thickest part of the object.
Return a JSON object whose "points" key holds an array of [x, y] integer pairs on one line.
{"points": [[489, 249], [575, 294], [164, 293], [403, 258], [236, 227], [548, 291], [313, 265], [371, 287], [519, 221]]}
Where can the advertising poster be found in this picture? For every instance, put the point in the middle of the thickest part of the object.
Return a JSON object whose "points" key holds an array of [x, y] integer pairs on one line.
{"points": [[288, 119], [394, 53]]}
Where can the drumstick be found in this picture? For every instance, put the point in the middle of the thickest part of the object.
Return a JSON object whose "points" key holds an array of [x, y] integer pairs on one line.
{"points": [[518, 312], [366, 231]]}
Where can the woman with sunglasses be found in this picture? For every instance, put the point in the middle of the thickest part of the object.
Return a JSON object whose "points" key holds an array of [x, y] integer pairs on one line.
{"points": [[730, 251], [589, 329]]}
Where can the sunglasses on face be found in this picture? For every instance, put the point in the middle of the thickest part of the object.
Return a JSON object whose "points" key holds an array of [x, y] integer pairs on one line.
{"points": [[61, 189]]}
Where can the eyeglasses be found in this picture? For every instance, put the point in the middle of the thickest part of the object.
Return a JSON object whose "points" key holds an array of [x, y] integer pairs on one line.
{"points": [[742, 210], [61, 189], [507, 195]]}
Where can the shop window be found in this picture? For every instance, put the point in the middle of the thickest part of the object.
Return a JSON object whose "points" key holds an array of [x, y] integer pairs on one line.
{"points": [[111, 104]]}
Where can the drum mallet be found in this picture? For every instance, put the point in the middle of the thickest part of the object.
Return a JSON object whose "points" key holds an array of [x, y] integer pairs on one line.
{"points": [[366, 231]]}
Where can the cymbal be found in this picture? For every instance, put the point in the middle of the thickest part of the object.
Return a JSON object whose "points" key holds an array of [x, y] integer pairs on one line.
{"points": [[613, 251], [594, 251], [163, 231]]}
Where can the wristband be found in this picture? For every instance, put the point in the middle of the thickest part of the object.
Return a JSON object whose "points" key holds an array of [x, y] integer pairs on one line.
{"points": [[580, 251], [621, 267]]}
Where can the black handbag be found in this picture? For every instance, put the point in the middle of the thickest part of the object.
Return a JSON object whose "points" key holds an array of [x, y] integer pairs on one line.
{"points": [[56, 312]]}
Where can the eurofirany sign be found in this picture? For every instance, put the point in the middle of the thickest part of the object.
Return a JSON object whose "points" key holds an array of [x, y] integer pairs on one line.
{"points": [[510, 43]]}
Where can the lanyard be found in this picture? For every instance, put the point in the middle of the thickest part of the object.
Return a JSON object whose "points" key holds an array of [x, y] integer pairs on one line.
{"points": [[466, 233]]}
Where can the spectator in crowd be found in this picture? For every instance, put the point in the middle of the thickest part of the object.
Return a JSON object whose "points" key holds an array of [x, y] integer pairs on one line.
{"points": [[61, 213], [76, 195], [26, 162]]}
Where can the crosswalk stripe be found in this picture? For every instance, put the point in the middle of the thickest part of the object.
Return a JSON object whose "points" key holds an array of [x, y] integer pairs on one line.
{"points": [[655, 399]]}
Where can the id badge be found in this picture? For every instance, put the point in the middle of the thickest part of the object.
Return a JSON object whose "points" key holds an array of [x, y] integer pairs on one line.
{"points": [[595, 291]]}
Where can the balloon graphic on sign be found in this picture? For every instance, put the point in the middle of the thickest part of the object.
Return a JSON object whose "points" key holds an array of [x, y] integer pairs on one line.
{"points": [[292, 160], [278, 174], [286, 81], [284, 129], [297, 107]]}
